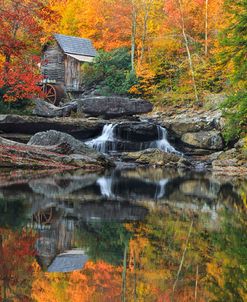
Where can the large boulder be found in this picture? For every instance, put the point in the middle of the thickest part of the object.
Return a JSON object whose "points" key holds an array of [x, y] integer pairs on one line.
{"points": [[190, 121], [45, 109], [113, 106], [154, 157], [136, 131], [53, 138], [210, 140]]}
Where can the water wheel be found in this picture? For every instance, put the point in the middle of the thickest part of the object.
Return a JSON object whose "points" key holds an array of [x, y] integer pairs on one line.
{"points": [[43, 216], [53, 93]]}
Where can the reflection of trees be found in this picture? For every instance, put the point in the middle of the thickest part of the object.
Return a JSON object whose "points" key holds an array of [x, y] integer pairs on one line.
{"points": [[138, 261], [213, 268], [104, 241], [13, 213], [98, 281], [227, 268], [16, 263]]}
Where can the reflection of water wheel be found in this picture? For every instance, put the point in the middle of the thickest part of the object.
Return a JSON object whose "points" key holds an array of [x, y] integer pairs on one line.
{"points": [[53, 93], [43, 216]]}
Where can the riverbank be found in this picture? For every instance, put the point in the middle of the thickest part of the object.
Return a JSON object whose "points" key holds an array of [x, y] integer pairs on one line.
{"points": [[190, 139]]}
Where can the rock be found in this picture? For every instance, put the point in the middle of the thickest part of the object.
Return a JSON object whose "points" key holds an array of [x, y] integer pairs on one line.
{"points": [[200, 188], [189, 121], [136, 131], [232, 162], [241, 143], [211, 140], [45, 109], [76, 147], [113, 106], [154, 157], [17, 155], [78, 127], [61, 186]]}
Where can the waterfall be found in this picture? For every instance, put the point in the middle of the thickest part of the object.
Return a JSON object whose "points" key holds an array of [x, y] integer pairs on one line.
{"points": [[105, 184], [107, 142], [160, 192], [162, 142], [100, 143]]}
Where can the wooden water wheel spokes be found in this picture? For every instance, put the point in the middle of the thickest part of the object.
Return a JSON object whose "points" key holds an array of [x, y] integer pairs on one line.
{"points": [[43, 216], [50, 93]]}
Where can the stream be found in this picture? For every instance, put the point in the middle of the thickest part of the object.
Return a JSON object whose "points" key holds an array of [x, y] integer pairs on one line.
{"points": [[140, 234]]}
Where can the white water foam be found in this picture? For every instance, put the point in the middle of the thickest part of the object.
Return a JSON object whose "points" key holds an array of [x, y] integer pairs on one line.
{"points": [[105, 142], [162, 141], [105, 184], [100, 143], [161, 188]]}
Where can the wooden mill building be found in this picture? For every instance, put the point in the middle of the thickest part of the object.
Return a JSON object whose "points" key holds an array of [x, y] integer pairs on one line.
{"points": [[61, 62]]}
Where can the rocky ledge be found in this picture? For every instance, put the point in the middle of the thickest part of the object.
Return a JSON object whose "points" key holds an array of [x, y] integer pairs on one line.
{"points": [[232, 161], [113, 106], [51, 149], [23, 127], [156, 157]]}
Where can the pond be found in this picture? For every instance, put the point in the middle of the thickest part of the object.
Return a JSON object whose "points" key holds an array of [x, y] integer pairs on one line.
{"points": [[132, 234]]}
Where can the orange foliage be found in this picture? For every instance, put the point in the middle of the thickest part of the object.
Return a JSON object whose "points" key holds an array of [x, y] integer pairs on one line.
{"points": [[95, 282]]}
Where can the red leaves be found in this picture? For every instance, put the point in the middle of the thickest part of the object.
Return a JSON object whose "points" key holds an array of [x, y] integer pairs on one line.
{"points": [[20, 81], [19, 36]]}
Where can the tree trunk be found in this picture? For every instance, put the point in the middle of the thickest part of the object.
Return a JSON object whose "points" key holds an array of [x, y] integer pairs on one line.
{"points": [[206, 28], [186, 42], [133, 36], [147, 7], [124, 274]]}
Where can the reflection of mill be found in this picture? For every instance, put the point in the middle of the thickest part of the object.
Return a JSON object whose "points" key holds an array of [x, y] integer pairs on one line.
{"points": [[56, 233]]}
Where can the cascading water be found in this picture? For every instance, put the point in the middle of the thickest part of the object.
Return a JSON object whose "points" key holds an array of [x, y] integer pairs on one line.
{"points": [[100, 143], [162, 142], [105, 184], [107, 142], [160, 192]]}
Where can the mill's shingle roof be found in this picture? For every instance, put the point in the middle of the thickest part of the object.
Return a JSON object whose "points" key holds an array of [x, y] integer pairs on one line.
{"points": [[75, 45]]}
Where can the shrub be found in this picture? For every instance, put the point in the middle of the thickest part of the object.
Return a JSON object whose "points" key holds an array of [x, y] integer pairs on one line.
{"points": [[110, 73]]}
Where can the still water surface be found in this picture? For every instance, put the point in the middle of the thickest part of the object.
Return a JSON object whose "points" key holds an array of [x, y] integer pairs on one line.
{"points": [[127, 235]]}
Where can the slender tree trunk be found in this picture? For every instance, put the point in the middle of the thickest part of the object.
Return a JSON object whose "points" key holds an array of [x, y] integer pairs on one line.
{"points": [[183, 256], [124, 273], [135, 279], [206, 27], [196, 285], [2, 275], [147, 7], [186, 42], [133, 36]]}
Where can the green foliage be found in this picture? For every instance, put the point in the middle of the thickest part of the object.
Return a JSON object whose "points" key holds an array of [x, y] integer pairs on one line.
{"points": [[234, 40], [104, 241], [14, 208], [19, 107], [111, 72], [235, 110]]}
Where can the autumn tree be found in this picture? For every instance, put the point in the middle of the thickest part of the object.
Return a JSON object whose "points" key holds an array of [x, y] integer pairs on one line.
{"points": [[16, 262], [19, 36]]}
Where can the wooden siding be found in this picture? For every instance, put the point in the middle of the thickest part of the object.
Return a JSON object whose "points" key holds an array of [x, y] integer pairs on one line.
{"points": [[72, 74], [53, 67]]}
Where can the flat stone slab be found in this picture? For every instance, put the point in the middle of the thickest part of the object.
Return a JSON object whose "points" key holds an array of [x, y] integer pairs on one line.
{"points": [[81, 128], [113, 106]]}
